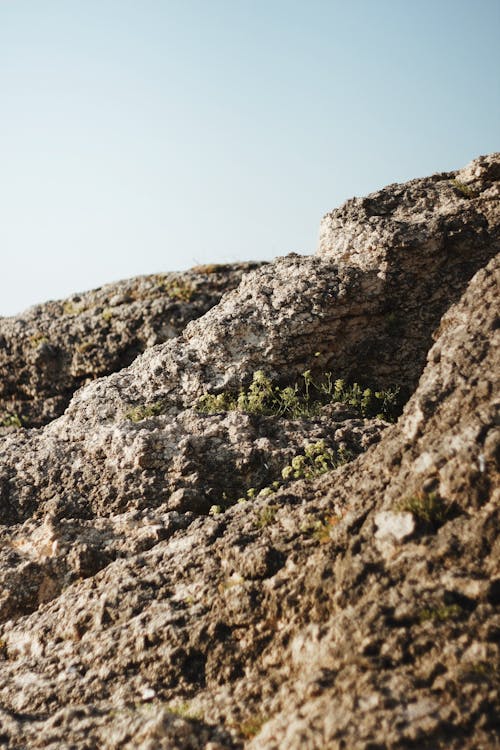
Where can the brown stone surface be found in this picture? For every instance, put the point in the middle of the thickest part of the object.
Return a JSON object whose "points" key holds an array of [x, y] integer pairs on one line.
{"points": [[51, 350], [357, 609]]}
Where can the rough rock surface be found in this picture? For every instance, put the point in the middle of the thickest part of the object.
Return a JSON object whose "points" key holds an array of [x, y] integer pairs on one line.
{"points": [[53, 349], [355, 609], [424, 240]]}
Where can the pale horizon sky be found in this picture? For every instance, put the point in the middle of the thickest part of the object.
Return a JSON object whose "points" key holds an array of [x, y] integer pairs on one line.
{"points": [[139, 137]]}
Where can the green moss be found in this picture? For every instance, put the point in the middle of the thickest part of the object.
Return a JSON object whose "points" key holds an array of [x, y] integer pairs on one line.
{"points": [[138, 413]]}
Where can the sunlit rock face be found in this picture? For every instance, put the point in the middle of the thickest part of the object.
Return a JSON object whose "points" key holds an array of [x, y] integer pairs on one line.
{"points": [[51, 350], [289, 569]]}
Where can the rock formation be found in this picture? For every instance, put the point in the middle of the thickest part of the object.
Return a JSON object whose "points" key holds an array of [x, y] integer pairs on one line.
{"points": [[222, 546], [51, 350]]}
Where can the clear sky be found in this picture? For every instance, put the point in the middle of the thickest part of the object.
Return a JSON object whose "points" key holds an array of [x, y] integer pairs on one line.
{"points": [[151, 135]]}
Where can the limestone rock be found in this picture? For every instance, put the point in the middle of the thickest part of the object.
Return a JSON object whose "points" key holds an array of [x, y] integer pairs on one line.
{"points": [[422, 239], [51, 350], [355, 608]]}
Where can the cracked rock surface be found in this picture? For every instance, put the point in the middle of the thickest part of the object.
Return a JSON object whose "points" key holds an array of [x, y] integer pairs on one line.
{"points": [[51, 350], [143, 606]]}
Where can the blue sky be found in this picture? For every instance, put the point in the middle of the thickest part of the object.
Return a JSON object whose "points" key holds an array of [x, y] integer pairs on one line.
{"points": [[152, 135]]}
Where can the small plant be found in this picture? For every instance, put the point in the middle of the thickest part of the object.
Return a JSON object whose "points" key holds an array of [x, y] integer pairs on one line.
{"points": [[464, 189], [10, 420], [138, 413], [393, 324], [38, 339], [480, 671], [184, 710], [212, 268], [317, 459], [71, 308], [302, 400], [107, 314], [177, 288], [321, 529], [251, 727], [382, 404], [440, 614], [85, 346], [266, 516], [428, 507], [230, 582]]}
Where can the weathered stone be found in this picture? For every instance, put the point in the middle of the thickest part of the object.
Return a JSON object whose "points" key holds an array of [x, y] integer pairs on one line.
{"points": [[135, 618], [396, 526], [51, 350]]}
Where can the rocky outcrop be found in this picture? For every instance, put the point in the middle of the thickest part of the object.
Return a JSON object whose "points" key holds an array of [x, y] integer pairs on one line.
{"points": [[424, 239], [53, 349], [142, 606]]}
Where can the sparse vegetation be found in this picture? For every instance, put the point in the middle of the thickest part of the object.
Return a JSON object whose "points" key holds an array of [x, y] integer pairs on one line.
{"points": [[304, 399], [10, 420], [72, 308], [393, 324], [464, 189], [322, 528], [140, 412], [428, 508], [184, 710], [212, 268], [316, 459], [177, 288], [480, 671], [266, 516], [107, 314], [37, 339], [85, 346], [251, 727], [440, 614]]}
